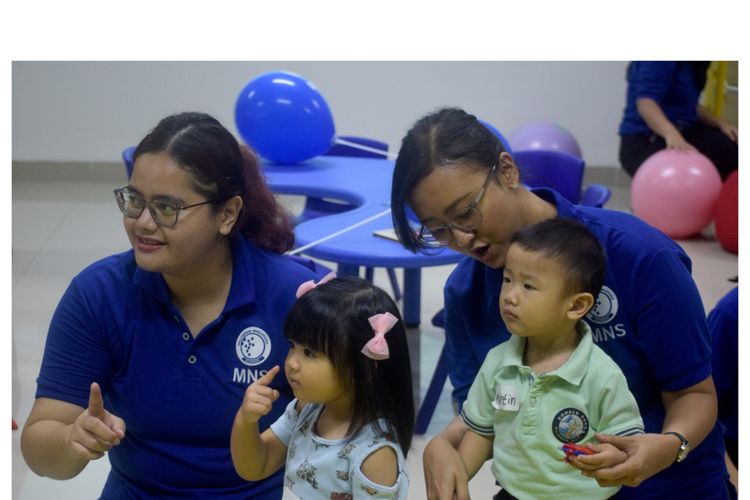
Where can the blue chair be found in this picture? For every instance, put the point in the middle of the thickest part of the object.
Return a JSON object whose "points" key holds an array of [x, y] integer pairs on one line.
{"points": [[561, 172], [595, 195], [127, 159]]}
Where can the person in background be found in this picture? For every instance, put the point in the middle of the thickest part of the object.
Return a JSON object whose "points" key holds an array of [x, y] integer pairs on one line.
{"points": [[348, 430], [465, 190], [149, 351], [662, 111], [549, 385], [723, 323]]}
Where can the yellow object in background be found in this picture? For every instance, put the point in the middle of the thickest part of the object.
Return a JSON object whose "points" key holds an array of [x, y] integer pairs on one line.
{"points": [[720, 93]]}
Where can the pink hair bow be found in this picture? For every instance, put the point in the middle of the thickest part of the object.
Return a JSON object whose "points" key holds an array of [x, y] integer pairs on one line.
{"points": [[377, 348], [309, 285]]}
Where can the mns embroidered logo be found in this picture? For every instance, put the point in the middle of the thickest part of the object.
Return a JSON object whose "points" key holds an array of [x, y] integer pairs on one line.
{"points": [[605, 307], [253, 346]]}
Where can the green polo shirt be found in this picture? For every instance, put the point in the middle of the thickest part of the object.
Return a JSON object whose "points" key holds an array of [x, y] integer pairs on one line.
{"points": [[531, 416]]}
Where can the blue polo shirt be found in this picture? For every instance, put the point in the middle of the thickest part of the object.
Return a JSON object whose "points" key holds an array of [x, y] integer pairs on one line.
{"points": [[670, 84], [178, 395], [723, 323], [648, 317]]}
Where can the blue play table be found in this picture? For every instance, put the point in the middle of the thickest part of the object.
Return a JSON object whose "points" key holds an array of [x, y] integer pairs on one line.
{"points": [[365, 183]]}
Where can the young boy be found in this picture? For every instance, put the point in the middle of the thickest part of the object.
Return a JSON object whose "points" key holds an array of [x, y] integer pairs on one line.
{"points": [[549, 385]]}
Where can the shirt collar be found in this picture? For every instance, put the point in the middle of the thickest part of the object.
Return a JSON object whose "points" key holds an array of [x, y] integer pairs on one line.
{"points": [[574, 368], [153, 283], [565, 209], [243, 288]]}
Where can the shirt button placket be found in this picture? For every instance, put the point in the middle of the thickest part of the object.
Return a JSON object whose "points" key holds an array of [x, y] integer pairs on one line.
{"points": [[532, 410]]}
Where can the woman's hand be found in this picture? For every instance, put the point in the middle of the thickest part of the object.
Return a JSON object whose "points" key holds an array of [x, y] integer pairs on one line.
{"points": [[96, 430], [675, 140], [729, 130], [647, 454], [259, 398], [444, 472]]}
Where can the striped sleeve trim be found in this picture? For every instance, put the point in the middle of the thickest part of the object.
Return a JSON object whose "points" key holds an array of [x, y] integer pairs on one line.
{"points": [[485, 431], [630, 431]]}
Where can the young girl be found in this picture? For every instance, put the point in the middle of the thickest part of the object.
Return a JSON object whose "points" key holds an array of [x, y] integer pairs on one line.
{"points": [[348, 430]]}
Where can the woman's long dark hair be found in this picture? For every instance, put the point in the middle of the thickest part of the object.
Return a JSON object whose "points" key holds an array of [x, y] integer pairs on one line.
{"points": [[222, 168], [446, 136], [332, 319]]}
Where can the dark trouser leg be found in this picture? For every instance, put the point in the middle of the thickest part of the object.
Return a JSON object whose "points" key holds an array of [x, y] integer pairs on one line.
{"points": [[719, 148], [635, 148], [503, 495], [710, 141]]}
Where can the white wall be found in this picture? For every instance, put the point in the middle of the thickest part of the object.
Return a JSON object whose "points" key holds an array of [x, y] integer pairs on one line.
{"points": [[89, 111]]}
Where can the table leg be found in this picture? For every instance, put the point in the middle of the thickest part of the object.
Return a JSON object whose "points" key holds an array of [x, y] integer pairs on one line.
{"points": [[412, 296], [347, 270]]}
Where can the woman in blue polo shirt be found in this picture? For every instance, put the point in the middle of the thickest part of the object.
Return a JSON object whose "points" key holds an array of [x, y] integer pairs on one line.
{"points": [[662, 111], [150, 351], [464, 188]]}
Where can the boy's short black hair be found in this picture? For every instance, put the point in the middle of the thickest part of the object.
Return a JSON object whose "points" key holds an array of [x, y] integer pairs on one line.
{"points": [[573, 246]]}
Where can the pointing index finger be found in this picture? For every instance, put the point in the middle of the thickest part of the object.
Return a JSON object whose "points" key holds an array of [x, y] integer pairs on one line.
{"points": [[269, 376], [96, 402]]}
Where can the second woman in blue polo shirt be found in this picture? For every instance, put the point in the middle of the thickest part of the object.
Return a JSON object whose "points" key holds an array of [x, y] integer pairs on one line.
{"points": [[465, 189]]}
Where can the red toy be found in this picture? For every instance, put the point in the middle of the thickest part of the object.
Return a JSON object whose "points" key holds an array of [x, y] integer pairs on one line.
{"points": [[572, 450]]}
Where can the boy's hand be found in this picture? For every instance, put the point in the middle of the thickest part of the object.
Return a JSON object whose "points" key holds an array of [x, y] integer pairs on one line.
{"points": [[95, 430], [259, 398]]}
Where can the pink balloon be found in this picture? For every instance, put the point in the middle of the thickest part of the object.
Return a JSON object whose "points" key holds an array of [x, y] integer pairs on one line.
{"points": [[675, 191], [544, 135]]}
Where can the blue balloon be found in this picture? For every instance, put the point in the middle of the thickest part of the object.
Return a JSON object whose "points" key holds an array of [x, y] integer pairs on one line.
{"points": [[497, 133], [284, 118]]}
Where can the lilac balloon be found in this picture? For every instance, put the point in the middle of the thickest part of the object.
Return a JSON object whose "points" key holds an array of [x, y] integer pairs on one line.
{"points": [[545, 135]]}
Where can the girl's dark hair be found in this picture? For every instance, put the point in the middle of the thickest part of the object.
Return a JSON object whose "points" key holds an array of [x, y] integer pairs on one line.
{"points": [[573, 246], [332, 319], [222, 168], [446, 136]]}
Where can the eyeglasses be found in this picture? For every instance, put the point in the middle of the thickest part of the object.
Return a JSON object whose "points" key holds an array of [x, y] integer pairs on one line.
{"points": [[466, 220], [164, 213]]}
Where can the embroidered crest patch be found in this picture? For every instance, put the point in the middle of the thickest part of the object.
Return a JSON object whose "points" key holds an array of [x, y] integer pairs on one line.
{"points": [[605, 307], [570, 425], [253, 346]]}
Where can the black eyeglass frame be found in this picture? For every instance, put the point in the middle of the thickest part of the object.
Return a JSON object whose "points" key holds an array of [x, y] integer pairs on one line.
{"points": [[119, 192], [425, 235]]}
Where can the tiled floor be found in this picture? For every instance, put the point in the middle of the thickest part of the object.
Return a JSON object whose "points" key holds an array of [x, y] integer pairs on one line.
{"points": [[60, 226]]}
